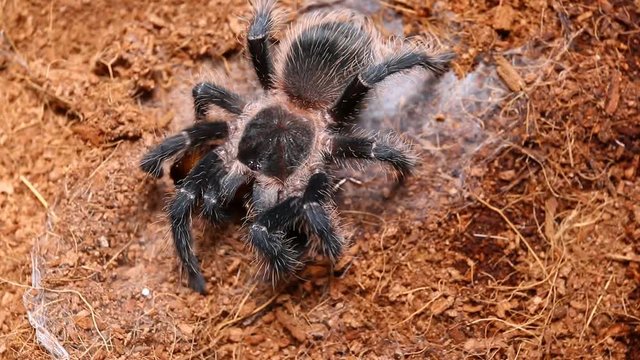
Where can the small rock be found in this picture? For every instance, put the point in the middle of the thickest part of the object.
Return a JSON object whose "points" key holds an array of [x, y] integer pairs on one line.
{"points": [[477, 172], [6, 187], [235, 334], [103, 242], [452, 313], [503, 18], [254, 339], [186, 329], [507, 175], [577, 305], [318, 331], [268, 318], [457, 335], [146, 292]]}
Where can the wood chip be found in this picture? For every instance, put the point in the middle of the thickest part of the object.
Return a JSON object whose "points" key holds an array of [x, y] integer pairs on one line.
{"points": [[156, 20], [614, 95], [441, 305], [584, 16], [617, 330], [550, 207], [83, 320], [509, 75], [483, 344], [472, 308], [292, 325], [186, 329], [507, 175]]}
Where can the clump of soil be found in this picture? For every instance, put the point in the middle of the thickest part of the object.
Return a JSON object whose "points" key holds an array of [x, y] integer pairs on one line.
{"points": [[518, 237]]}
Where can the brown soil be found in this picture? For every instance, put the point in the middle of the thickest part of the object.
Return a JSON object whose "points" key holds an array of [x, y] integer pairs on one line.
{"points": [[518, 239]]}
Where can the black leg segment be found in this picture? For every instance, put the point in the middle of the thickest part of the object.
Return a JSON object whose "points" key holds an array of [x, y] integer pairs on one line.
{"points": [[213, 201], [267, 236], [319, 221], [181, 207], [189, 138], [206, 94], [220, 193], [280, 233], [345, 110], [258, 42], [368, 148]]}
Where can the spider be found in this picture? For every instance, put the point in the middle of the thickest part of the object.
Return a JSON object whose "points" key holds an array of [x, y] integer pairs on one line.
{"points": [[287, 144]]}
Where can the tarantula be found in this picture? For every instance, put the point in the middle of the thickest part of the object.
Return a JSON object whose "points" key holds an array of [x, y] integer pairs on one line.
{"points": [[287, 143]]}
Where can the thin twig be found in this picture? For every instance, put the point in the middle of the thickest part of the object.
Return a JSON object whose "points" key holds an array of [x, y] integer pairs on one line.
{"points": [[630, 258], [64, 291], [595, 307], [438, 295], [35, 192]]}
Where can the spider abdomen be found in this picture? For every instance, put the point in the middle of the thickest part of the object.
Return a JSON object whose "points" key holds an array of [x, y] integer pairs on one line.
{"points": [[275, 142], [322, 59]]}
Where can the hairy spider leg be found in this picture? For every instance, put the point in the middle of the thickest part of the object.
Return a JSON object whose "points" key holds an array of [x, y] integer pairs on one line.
{"points": [[258, 42], [370, 148], [280, 255], [344, 112], [189, 138], [314, 200], [206, 94], [268, 237], [203, 176], [218, 194]]}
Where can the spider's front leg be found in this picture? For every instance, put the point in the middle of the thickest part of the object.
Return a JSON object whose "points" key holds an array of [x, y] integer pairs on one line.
{"points": [[279, 255], [267, 236], [314, 201], [189, 138], [205, 175]]}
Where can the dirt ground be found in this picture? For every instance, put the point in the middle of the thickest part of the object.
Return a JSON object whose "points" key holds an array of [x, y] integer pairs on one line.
{"points": [[517, 238]]}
